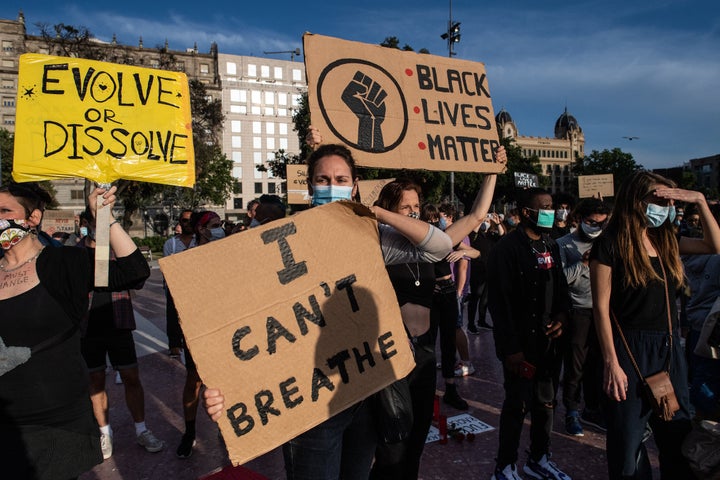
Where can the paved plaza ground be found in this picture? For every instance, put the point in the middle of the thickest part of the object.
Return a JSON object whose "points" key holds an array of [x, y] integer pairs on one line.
{"points": [[163, 377]]}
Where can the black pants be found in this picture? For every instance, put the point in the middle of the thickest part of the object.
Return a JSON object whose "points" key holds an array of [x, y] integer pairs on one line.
{"points": [[582, 366], [536, 396], [443, 318], [477, 301], [401, 461], [172, 327]]}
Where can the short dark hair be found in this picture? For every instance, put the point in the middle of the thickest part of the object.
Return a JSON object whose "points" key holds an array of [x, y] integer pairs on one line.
{"points": [[428, 211], [30, 195], [449, 210], [590, 206], [525, 197]]}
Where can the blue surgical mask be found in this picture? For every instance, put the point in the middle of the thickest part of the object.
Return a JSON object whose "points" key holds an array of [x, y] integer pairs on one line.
{"points": [[511, 222], [657, 214], [323, 194], [590, 231], [217, 233], [83, 231], [442, 223], [561, 214]]}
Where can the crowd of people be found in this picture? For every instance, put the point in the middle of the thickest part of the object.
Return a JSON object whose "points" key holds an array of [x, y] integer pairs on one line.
{"points": [[584, 295]]}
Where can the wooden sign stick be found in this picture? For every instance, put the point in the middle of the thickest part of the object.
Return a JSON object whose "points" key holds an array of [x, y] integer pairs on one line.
{"points": [[103, 216]]}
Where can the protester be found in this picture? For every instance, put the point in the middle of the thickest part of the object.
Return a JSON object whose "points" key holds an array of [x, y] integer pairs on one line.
{"points": [[635, 272], [108, 332], [176, 244], [482, 239], [47, 428], [452, 274], [581, 364], [344, 445], [703, 276], [206, 226], [529, 303]]}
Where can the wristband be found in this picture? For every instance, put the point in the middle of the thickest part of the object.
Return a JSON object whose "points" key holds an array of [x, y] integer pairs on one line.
{"points": [[113, 223]]}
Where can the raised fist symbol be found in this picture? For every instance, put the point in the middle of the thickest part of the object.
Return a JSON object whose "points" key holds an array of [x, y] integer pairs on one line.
{"points": [[366, 99]]}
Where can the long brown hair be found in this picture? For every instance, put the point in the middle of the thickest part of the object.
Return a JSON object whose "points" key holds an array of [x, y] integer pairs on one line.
{"points": [[627, 223]]}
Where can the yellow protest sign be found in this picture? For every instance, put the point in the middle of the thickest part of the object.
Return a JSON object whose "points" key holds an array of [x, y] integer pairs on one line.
{"points": [[296, 329], [102, 121], [399, 109]]}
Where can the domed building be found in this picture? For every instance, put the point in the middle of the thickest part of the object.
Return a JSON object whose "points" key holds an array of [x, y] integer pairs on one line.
{"points": [[557, 155]]}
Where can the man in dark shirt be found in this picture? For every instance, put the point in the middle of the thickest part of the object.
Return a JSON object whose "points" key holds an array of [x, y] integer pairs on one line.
{"points": [[529, 304]]}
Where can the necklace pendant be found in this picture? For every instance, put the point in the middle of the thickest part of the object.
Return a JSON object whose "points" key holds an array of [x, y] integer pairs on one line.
{"points": [[417, 283]]}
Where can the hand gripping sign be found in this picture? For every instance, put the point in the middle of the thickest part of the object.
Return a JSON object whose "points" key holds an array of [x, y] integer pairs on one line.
{"points": [[103, 122], [294, 321], [399, 109]]}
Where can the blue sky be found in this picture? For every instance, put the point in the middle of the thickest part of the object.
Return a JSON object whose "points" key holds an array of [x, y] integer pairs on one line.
{"points": [[644, 68]]}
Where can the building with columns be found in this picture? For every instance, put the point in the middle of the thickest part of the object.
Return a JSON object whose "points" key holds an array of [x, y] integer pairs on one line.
{"points": [[557, 154]]}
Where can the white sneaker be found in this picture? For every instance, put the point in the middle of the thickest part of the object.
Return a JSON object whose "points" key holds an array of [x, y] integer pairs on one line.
{"points": [[508, 473], [463, 369], [150, 442], [544, 469], [106, 445]]}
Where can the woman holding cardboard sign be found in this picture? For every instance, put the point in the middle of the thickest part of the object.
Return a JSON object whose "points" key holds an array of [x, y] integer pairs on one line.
{"points": [[344, 445], [47, 427]]}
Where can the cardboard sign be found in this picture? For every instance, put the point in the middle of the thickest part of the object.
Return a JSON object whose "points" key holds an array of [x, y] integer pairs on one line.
{"points": [[58, 221], [464, 422], [297, 189], [370, 190], [102, 121], [287, 323], [526, 180], [592, 185], [399, 109]]}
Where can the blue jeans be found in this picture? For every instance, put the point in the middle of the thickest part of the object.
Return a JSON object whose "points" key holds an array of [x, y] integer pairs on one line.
{"points": [[342, 447], [628, 419]]}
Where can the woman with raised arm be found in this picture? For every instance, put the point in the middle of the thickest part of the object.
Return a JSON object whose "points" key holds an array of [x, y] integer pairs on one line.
{"points": [[47, 427], [635, 273]]}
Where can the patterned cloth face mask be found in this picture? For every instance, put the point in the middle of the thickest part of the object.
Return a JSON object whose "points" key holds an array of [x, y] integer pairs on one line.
{"points": [[12, 231]]}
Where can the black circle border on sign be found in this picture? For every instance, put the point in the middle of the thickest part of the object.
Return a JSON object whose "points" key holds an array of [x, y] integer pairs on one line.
{"points": [[343, 61]]}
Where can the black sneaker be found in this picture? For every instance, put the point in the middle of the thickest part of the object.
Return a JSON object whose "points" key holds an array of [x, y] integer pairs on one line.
{"points": [[185, 448], [453, 398], [472, 329]]}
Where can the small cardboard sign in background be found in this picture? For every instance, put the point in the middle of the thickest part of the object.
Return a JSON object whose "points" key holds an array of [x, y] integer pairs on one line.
{"points": [[297, 189], [58, 221], [370, 190], [465, 422], [591, 185], [526, 180], [102, 121], [287, 323], [399, 109]]}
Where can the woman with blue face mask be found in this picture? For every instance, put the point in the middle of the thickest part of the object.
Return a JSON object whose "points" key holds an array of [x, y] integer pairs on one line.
{"points": [[343, 447], [635, 274]]}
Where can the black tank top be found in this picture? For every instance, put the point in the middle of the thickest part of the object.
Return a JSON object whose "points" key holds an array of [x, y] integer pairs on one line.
{"points": [[413, 282]]}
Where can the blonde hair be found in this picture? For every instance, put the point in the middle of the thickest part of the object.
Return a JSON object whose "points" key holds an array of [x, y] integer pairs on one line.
{"points": [[627, 223]]}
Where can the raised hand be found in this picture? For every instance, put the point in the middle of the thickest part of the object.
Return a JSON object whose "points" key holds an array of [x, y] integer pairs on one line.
{"points": [[366, 99]]}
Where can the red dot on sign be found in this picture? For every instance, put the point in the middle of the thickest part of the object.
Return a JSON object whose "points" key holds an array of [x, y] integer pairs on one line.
{"points": [[408, 72], [421, 146], [416, 109]]}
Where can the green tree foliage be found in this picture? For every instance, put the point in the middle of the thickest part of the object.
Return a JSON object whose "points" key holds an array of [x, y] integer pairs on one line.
{"points": [[6, 155], [614, 161]]}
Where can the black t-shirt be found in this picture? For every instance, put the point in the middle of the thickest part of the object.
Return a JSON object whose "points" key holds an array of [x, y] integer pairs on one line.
{"points": [[642, 308], [404, 277]]}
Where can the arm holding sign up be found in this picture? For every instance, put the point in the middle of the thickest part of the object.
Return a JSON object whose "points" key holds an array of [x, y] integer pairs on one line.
{"points": [[120, 241], [466, 224]]}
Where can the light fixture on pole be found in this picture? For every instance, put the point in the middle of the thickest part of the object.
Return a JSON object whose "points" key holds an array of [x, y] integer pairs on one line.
{"points": [[291, 52], [452, 36]]}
